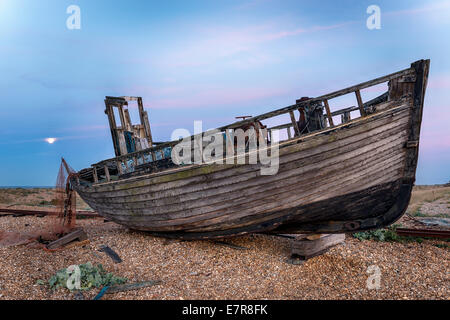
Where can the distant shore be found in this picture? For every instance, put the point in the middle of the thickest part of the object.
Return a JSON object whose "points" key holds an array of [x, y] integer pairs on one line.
{"points": [[27, 187]]}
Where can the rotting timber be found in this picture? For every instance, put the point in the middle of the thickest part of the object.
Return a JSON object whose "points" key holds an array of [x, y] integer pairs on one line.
{"points": [[335, 175]]}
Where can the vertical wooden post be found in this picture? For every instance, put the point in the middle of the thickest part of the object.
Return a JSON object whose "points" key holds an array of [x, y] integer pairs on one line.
{"points": [[119, 167], [112, 125], [94, 174], [122, 118], [135, 162], [345, 117], [294, 123], [108, 177], [327, 108], [129, 125], [360, 103], [289, 132], [422, 68], [143, 115]]}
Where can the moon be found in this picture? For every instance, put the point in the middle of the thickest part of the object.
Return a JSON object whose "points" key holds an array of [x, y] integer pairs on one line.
{"points": [[50, 140]]}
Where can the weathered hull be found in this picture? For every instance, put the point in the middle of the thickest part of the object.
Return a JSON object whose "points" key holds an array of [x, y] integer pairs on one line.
{"points": [[354, 176]]}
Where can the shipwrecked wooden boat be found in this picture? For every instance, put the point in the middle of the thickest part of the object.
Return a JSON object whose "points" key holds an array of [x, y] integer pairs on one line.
{"points": [[337, 172]]}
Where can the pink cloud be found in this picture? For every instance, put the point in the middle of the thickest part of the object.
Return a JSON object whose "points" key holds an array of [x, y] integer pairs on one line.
{"points": [[442, 5], [213, 96], [434, 142], [97, 127], [295, 32], [439, 82], [220, 44], [435, 132]]}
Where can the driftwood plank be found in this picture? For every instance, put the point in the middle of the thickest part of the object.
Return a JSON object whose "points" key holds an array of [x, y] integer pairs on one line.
{"points": [[74, 235], [111, 253]]}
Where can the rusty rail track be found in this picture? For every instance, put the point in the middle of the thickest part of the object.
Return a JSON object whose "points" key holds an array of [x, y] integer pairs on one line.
{"points": [[427, 233], [5, 211]]}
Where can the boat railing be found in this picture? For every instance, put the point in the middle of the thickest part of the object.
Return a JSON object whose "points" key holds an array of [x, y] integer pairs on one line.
{"points": [[344, 113], [129, 162]]}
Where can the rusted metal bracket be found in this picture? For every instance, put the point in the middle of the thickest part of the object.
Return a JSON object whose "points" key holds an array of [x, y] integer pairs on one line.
{"points": [[412, 144]]}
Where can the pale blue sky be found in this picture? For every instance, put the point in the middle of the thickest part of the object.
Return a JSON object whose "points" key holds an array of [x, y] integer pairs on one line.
{"points": [[199, 60]]}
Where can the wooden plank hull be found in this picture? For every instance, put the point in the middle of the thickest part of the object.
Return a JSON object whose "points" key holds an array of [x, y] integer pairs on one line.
{"points": [[354, 176]]}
